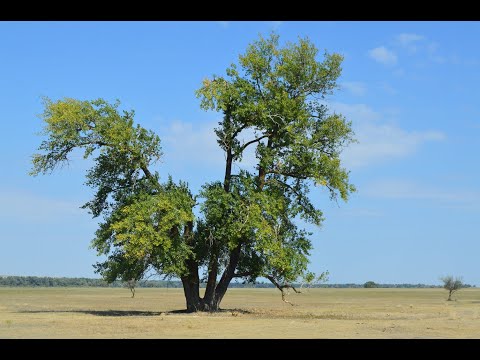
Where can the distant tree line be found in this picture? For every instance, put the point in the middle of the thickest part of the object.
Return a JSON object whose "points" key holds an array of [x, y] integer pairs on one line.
{"points": [[43, 281], [36, 281], [40, 281]]}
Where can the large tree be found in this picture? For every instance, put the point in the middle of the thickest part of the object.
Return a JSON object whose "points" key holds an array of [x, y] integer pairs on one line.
{"points": [[248, 223]]}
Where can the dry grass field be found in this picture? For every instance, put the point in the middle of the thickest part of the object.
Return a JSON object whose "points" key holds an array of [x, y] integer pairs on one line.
{"points": [[249, 313]]}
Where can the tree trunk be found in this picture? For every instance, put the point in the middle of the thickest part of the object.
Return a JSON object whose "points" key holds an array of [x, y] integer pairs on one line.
{"points": [[214, 292], [212, 299], [449, 295], [226, 278], [212, 278], [192, 296]]}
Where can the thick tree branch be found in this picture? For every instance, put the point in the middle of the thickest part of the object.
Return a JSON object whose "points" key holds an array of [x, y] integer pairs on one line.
{"points": [[299, 195], [147, 172], [247, 144], [261, 170], [293, 175], [239, 130]]}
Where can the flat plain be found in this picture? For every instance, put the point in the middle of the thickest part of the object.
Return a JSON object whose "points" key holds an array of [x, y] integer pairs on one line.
{"points": [[247, 313]]}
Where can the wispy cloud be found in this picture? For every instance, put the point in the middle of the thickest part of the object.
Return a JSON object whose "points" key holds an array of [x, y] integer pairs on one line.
{"points": [[416, 43], [406, 39], [454, 60], [186, 145], [389, 89], [379, 140], [402, 189], [275, 24], [383, 55], [437, 58], [382, 142], [355, 87], [190, 145], [249, 159], [399, 72], [409, 41], [432, 47], [358, 113], [224, 24], [360, 212], [32, 208]]}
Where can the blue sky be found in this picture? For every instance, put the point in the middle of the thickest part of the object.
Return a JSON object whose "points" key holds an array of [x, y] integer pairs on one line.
{"points": [[409, 88]]}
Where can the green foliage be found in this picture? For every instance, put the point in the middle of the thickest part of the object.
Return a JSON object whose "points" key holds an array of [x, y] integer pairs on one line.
{"points": [[370, 284], [277, 93], [248, 224]]}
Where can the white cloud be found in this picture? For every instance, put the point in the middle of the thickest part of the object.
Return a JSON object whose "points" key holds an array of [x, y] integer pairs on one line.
{"points": [[454, 59], [410, 190], [275, 24], [355, 112], [442, 59], [224, 24], [249, 160], [388, 88], [32, 208], [188, 145], [409, 40], [382, 142], [432, 52], [379, 140], [399, 72], [355, 87], [361, 212], [432, 47], [382, 55]]}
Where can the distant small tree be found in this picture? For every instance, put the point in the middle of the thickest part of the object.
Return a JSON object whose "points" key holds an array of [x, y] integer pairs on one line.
{"points": [[130, 284], [370, 284], [452, 285]]}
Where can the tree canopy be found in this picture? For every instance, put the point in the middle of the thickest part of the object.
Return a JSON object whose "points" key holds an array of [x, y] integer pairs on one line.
{"points": [[247, 225]]}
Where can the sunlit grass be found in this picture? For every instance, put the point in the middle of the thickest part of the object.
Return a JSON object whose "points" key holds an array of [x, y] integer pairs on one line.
{"points": [[247, 313]]}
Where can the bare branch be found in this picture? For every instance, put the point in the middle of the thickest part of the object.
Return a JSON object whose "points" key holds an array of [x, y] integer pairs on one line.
{"points": [[272, 116], [282, 288]]}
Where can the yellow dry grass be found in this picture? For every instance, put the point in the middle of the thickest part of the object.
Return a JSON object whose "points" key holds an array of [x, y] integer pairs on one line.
{"points": [[250, 313]]}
